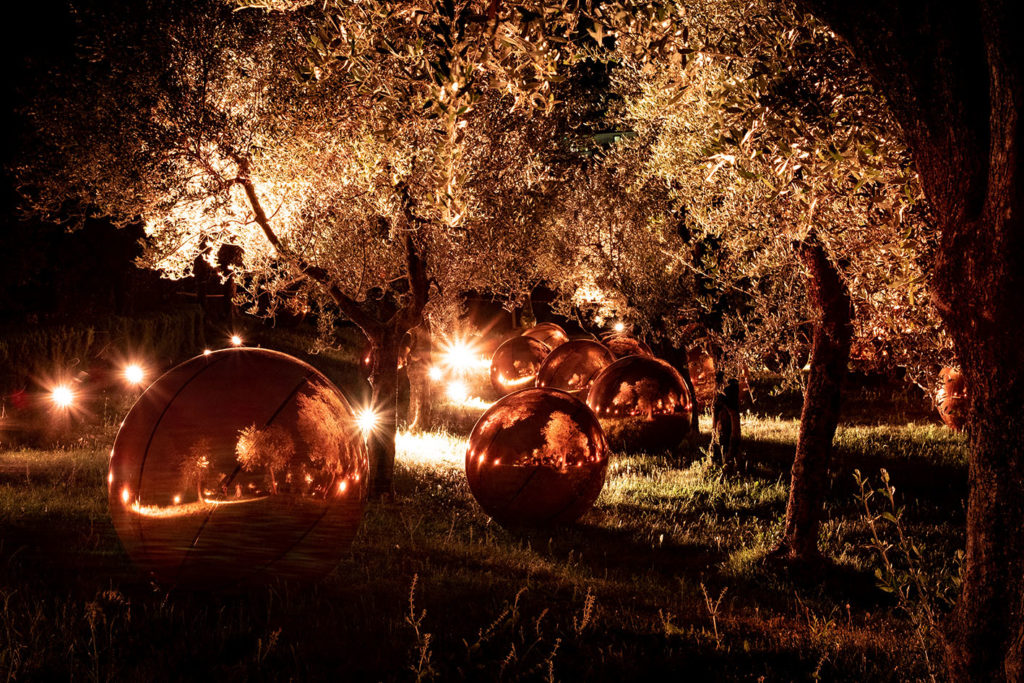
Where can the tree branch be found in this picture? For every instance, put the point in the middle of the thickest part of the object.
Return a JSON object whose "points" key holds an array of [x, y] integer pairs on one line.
{"points": [[351, 308]]}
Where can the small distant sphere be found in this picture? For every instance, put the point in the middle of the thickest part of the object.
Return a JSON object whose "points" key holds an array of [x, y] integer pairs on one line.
{"points": [[238, 466], [642, 403], [516, 362], [548, 333], [702, 374], [621, 346], [573, 366], [536, 457], [951, 399]]}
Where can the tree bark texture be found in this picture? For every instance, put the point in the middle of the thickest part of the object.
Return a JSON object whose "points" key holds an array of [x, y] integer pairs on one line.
{"points": [[421, 398], [830, 353], [384, 354], [953, 73]]}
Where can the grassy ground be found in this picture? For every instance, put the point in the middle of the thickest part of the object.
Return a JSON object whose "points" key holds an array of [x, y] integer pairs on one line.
{"points": [[665, 575]]}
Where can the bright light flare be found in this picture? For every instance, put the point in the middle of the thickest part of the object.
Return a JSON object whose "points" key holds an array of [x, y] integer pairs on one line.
{"points": [[462, 356], [62, 396], [236, 340], [457, 391], [620, 326], [431, 449], [134, 374], [366, 420], [434, 373], [207, 352]]}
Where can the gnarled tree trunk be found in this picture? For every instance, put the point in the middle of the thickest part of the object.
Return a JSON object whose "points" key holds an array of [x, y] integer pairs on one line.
{"points": [[830, 354], [421, 400], [384, 353], [954, 75], [983, 290]]}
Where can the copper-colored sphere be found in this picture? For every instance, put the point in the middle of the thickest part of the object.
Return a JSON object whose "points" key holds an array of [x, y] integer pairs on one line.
{"points": [[702, 374], [642, 403], [573, 366], [536, 457], [621, 346], [548, 333], [516, 362], [237, 466], [951, 399]]}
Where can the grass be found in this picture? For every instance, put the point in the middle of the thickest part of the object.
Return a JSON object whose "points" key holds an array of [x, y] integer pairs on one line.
{"points": [[665, 575]]}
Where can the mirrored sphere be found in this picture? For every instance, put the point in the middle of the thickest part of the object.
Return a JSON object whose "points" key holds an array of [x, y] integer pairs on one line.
{"points": [[536, 457], [573, 365], [642, 403], [238, 466], [548, 333], [951, 399], [621, 346], [702, 374], [516, 362]]}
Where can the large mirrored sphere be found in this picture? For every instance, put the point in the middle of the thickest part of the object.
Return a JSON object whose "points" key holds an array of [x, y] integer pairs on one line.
{"points": [[951, 399], [536, 457], [238, 466], [573, 366], [516, 362], [642, 403], [621, 346], [549, 333]]}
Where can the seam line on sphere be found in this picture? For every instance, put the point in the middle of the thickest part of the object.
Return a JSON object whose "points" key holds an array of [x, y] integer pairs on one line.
{"points": [[152, 435], [227, 482]]}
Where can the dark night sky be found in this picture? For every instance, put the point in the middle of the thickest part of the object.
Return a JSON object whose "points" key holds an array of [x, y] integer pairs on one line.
{"points": [[43, 269]]}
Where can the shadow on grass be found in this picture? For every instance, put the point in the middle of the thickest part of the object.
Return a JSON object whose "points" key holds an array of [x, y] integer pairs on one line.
{"points": [[937, 485]]}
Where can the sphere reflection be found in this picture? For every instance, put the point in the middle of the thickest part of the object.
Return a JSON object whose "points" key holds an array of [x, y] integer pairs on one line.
{"points": [[536, 457], [236, 466], [516, 362], [548, 333], [642, 403], [621, 346], [573, 365], [702, 373], [951, 399]]}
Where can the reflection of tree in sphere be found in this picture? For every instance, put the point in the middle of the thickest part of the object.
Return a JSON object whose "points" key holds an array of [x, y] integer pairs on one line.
{"points": [[237, 466], [702, 373], [642, 403], [536, 457], [621, 346], [516, 362], [951, 399], [573, 365], [548, 333]]}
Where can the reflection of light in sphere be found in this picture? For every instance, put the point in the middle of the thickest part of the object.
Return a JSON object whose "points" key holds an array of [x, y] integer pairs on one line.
{"points": [[548, 333], [236, 466], [516, 362], [573, 365], [621, 346], [536, 457], [642, 404], [236, 340]]}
